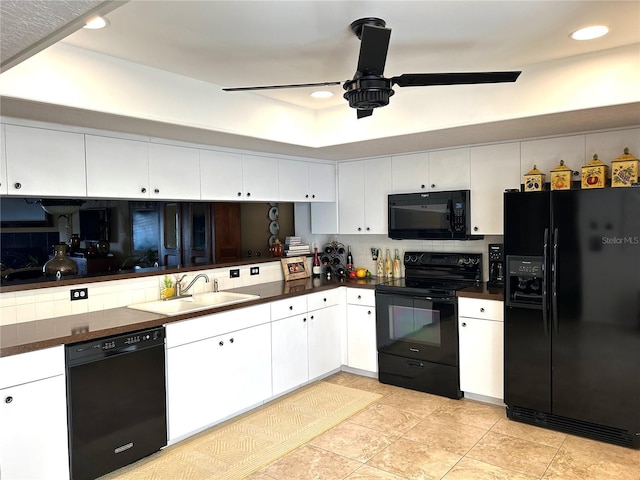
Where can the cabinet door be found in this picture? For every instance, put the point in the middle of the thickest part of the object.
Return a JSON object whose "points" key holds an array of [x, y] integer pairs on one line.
{"points": [[168, 163], [449, 170], [322, 182], [362, 351], [3, 162], [117, 168], [351, 197], [220, 175], [494, 168], [196, 377], [324, 341], [293, 181], [33, 437], [247, 357], [45, 162], [289, 353], [481, 357], [410, 173], [377, 187], [260, 178]]}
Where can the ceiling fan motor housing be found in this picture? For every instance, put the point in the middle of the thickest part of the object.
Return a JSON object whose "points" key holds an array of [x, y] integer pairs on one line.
{"points": [[366, 93]]}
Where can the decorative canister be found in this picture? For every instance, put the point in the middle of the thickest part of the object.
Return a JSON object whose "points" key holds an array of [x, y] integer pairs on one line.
{"points": [[561, 177], [277, 250], [624, 170], [60, 263], [594, 174], [533, 180]]}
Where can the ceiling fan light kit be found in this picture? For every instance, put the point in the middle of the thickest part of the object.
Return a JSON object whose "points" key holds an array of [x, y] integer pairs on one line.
{"points": [[369, 89]]}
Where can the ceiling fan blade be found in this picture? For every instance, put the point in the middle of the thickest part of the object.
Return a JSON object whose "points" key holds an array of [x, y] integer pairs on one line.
{"points": [[373, 50], [361, 113], [275, 87], [429, 79]]}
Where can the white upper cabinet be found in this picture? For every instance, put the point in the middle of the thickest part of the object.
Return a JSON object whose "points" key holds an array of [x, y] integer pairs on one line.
{"points": [[410, 173], [610, 145], [174, 172], [493, 168], [220, 175], [293, 181], [449, 170], [117, 168], [3, 163], [44, 162], [260, 178], [322, 182], [546, 154], [363, 187], [431, 171]]}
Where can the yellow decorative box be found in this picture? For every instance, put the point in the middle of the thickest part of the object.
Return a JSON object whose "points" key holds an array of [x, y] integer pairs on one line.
{"points": [[594, 174], [561, 177], [624, 170], [533, 180]]}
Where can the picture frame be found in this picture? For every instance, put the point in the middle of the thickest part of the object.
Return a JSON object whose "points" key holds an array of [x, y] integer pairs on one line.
{"points": [[295, 268]]}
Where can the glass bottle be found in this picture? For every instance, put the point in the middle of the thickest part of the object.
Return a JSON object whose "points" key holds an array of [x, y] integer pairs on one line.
{"points": [[379, 265], [349, 259], [388, 267], [317, 269], [396, 265]]}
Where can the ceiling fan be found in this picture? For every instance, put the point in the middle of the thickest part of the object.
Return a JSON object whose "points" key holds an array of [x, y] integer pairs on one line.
{"points": [[369, 89]]}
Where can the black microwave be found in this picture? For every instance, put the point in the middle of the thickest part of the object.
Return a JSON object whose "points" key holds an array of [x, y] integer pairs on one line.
{"points": [[434, 215]]}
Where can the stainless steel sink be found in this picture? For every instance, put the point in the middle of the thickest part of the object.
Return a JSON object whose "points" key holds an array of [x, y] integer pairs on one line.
{"points": [[197, 302]]}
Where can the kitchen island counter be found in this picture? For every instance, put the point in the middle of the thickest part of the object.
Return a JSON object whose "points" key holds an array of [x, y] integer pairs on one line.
{"points": [[39, 334]]}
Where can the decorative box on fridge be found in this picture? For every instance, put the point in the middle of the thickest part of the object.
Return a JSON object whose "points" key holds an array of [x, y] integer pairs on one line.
{"points": [[561, 177], [594, 174], [533, 180], [624, 170]]}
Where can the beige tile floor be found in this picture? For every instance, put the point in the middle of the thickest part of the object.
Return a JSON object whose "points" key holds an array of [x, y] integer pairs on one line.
{"points": [[410, 435]]}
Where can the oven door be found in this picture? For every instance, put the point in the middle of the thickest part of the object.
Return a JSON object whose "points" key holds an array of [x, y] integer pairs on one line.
{"points": [[417, 327]]}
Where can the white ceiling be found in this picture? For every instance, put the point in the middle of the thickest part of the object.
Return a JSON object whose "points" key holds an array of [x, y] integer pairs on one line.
{"points": [[248, 43]]}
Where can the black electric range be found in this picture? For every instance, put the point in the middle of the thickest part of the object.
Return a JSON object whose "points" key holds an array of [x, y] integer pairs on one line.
{"points": [[417, 321]]}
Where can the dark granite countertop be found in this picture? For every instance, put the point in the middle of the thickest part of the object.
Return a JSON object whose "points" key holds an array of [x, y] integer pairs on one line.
{"points": [[482, 291], [39, 334]]}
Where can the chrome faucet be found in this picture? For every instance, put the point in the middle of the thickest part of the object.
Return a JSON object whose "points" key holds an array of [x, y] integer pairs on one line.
{"points": [[181, 291]]}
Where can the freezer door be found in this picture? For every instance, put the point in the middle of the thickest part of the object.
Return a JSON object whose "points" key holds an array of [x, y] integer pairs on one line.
{"points": [[595, 291]]}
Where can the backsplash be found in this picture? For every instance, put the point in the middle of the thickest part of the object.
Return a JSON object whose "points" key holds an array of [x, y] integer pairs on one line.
{"points": [[41, 303]]}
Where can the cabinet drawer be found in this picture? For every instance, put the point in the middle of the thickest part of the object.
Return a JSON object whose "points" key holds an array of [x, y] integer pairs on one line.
{"points": [[207, 326], [31, 366], [361, 296], [479, 308], [322, 299], [288, 307]]}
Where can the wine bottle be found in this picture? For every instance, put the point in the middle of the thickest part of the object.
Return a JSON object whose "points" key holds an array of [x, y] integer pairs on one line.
{"points": [[349, 259], [379, 265], [396, 265], [388, 267], [316, 270]]}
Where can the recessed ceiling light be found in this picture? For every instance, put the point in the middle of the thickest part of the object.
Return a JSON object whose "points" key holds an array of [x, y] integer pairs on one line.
{"points": [[589, 33], [96, 23], [322, 94]]}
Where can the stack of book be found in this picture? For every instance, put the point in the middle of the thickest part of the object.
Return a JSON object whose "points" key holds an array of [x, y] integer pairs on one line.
{"points": [[293, 247]]}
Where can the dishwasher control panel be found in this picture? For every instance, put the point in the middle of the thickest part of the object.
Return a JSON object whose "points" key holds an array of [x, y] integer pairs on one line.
{"points": [[92, 349]]}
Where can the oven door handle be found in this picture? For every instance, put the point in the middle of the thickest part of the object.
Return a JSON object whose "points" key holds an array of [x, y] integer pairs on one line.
{"points": [[439, 299]]}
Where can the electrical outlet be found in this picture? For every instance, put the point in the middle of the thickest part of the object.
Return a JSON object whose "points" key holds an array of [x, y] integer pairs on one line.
{"points": [[79, 294], [234, 273], [254, 271]]}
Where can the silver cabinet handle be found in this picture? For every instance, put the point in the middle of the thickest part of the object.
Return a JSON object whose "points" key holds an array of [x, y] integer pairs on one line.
{"points": [[482, 309], [464, 324]]}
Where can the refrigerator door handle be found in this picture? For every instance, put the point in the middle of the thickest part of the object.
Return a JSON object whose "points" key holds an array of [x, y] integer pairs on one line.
{"points": [[545, 308], [554, 284]]}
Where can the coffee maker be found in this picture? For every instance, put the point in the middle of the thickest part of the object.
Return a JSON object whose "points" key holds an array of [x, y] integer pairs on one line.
{"points": [[496, 265]]}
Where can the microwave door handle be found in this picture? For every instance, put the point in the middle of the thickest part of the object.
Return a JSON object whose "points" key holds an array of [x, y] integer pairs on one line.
{"points": [[545, 308], [449, 215]]}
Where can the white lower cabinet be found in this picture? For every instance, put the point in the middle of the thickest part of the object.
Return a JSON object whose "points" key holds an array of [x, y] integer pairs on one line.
{"points": [[289, 353], [480, 328], [209, 379], [362, 352], [323, 335], [33, 416]]}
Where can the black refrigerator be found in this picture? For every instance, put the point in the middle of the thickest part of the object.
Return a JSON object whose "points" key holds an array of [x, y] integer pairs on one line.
{"points": [[572, 311]]}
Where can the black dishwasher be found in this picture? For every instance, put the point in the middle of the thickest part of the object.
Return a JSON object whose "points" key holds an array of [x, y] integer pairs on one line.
{"points": [[116, 401]]}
